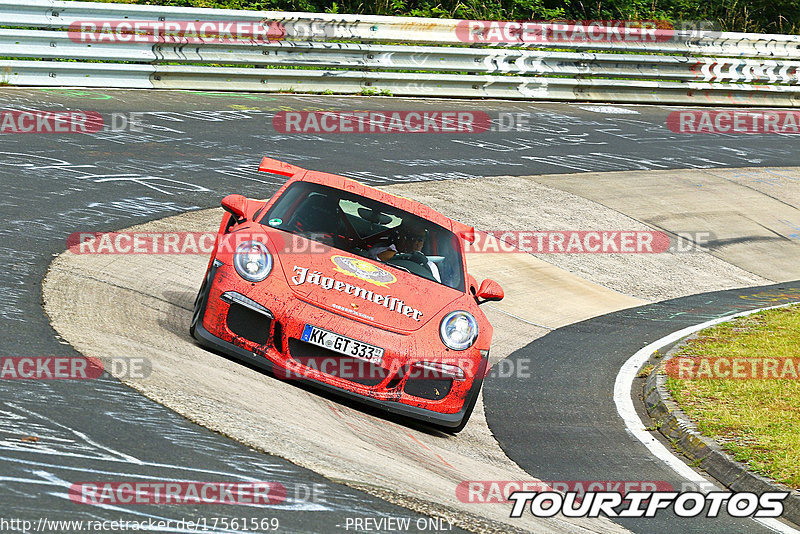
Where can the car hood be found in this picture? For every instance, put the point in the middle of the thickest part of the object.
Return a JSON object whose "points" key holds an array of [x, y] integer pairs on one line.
{"points": [[363, 289]]}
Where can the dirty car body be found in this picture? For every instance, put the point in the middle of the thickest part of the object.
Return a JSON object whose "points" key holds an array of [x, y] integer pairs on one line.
{"points": [[294, 285]]}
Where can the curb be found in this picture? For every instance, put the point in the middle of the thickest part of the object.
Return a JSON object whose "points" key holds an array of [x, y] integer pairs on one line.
{"points": [[704, 452]]}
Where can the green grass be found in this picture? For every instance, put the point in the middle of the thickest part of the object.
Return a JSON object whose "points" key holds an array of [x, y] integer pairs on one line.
{"points": [[645, 371], [757, 421]]}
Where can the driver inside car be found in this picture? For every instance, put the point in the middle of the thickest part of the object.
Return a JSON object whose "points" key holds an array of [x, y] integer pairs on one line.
{"points": [[410, 241]]}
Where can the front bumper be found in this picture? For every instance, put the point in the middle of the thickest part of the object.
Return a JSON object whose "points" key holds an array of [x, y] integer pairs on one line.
{"points": [[289, 315]]}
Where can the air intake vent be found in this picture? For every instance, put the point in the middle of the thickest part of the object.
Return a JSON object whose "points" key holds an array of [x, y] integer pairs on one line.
{"points": [[428, 388], [249, 324]]}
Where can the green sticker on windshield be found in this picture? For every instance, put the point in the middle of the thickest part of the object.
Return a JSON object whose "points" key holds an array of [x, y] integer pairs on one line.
{"points": [[275, 222]]}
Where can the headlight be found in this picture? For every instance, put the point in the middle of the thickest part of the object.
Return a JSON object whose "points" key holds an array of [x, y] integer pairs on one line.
{"points": [[459, 330], [252, 261]]}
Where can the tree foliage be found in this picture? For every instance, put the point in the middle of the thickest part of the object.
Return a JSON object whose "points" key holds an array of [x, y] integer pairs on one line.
{"points": [[766, 16]]}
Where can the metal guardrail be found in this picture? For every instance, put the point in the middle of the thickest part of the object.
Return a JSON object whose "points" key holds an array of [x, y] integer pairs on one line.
{"points": [[751, 69], [54, 45]]}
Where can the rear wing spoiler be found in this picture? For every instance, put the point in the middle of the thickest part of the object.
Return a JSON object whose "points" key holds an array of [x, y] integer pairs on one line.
{"points": [[273, 166]]}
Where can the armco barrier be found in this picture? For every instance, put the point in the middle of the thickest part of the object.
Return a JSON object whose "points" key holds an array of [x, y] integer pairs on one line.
{"points": [[350, 53]]}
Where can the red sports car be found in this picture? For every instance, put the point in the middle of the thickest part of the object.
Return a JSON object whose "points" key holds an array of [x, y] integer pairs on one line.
{"points": [[352, 289]]}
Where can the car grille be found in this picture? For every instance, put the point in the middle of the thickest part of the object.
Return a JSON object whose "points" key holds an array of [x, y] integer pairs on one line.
{"points": [[277, 337], [335, 364], [249, 324]]}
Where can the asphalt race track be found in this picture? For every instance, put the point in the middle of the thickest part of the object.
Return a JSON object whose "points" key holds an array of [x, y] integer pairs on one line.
{"points": [[536, 425], [197, 147]]}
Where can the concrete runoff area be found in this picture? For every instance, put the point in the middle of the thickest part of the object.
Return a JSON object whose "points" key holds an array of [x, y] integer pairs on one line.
{"points": [[753, 214], [566, 202], [108, 306]]}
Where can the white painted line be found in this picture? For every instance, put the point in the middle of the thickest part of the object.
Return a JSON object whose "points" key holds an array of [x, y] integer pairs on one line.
{"points": [[610, 110], [626, 410]]}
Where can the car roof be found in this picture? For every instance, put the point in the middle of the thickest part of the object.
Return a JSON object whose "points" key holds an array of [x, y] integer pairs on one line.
{"points": [[297, 174]]}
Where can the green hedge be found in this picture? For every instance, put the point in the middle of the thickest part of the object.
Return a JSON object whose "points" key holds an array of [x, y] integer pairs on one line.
{"points": [[768, 16]]}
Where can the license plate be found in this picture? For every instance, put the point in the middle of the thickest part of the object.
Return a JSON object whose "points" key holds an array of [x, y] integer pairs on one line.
{"points": [[342, 344]]}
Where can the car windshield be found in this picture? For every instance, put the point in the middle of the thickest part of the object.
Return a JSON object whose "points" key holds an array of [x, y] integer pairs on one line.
{"points": [[370, 229]]}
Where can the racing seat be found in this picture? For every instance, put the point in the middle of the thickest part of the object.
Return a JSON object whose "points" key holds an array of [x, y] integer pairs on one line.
{"points": [[318, 214], [318, 217]]}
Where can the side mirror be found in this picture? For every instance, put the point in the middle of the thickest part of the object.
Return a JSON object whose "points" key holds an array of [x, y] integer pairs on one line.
{"points": [[236, 205], [489, 291]]}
